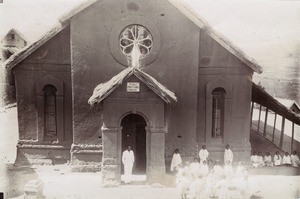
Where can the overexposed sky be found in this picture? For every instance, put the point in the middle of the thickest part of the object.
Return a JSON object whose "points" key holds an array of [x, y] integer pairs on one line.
{"points": [[261, 28]]}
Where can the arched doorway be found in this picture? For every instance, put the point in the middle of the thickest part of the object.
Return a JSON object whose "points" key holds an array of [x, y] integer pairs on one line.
{"points": [[134, 134]]}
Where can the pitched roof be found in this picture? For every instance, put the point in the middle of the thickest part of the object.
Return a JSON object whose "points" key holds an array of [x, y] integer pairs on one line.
{"points": [[25, 52], [105, 89], [179, 4], [288, 102], [189, 12], [16, 32], [260, 96]]}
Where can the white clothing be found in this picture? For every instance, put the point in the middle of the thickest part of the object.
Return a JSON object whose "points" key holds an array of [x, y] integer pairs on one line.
{"points": [[223, 192], [195, 169], [228, 156], [254, 160], [228, 170], [260, 161], [277, 160], [286, 159], [268, 160], [176, 161], [204, 171], [128, 160], [295, 160], [218, 171], [203, 155]]}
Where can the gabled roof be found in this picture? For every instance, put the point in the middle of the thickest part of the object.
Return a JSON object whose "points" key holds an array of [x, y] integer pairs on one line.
{"points": [[25, 52], [288, 102], [179, 4], [260, 96], [16, 32], [103, 90], [196, 19]]}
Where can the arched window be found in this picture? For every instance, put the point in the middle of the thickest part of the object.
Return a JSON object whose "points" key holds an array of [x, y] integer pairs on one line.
{"points": [[218, 112], [50, 123]]}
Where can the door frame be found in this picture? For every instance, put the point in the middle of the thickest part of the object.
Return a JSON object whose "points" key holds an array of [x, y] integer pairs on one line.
{"points": [[120, 139]]}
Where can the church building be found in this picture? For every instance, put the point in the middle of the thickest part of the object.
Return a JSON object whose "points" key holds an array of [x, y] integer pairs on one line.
{"points": [[149, 74]]}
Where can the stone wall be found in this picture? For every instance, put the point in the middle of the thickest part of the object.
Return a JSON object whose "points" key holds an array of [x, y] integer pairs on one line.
{"points": [[50, 63]]}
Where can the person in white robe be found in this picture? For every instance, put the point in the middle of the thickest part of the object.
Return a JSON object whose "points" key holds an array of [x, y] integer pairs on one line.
{"points": [[260, 160], [195, 169], [222, 188], [203, 154], [182, 183], [241, 181], [176, 162], [268, 160], [128, 160], [218, 170], [228, 155], [254, 160], [228, 170], [277, 159], [204, 170], [286, 159], [295, 159]]}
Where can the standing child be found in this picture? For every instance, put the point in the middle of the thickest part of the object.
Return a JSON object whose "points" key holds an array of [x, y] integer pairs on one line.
{"points": [[228, 155], [195, 169], [204, 170], [176, 161], [203, 154]]}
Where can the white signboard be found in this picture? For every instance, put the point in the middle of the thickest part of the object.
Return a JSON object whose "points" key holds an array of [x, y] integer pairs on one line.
{"points": [[133, 87]]}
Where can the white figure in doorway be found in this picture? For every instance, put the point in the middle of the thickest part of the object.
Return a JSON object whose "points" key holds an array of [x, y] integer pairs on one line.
{"points": [[128, 160]]}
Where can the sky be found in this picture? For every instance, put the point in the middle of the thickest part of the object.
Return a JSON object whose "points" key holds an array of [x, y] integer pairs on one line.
{"points": [[266, 30]]}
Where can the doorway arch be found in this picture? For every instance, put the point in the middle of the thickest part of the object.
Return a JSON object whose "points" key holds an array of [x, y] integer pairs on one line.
{"points": [[134, 135]]}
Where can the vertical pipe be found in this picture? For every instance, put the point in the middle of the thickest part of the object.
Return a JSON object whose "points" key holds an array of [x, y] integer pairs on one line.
{"points": [[292, 141], [274, 127], [266, 121], [259, 119], [282, 133], [252, 106]]}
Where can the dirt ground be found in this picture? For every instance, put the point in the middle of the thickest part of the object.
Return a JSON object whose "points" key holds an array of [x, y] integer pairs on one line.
{"points": [[60, 182]]}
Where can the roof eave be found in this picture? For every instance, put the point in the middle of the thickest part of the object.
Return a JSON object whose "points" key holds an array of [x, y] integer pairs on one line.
{"points": [[67, 17], [25, 52]]}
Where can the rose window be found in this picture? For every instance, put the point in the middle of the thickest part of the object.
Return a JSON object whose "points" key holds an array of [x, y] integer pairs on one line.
{"points": [[135, 40]]}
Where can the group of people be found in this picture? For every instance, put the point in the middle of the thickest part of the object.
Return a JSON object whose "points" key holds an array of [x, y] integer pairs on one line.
{"points": [[176, 162], [258, 160], [205, 178]]}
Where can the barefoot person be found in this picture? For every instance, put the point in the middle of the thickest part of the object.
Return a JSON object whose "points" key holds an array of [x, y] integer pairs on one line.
{"points": [[128, 160]]}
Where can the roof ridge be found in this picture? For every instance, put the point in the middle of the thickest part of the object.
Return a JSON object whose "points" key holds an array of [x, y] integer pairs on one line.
{"points": [[103, 90]]}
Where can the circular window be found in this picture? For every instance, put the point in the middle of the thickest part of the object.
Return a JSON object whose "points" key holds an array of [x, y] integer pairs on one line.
{"points": [[128, 39], [135, 38]]}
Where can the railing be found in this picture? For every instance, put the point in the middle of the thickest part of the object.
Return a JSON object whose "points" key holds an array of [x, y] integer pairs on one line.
{"points": [[274, 127]]}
